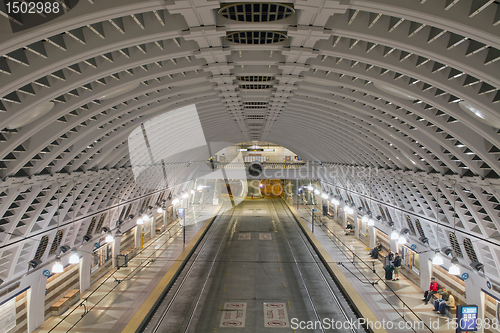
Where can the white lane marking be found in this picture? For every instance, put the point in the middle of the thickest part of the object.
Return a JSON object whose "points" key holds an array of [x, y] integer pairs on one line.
{"points": [[244, 236], [275, 315], [234, 314], [265, 236]]}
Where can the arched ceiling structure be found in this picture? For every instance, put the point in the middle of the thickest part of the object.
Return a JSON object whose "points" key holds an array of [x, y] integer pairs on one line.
{"points": [[406, 88]]}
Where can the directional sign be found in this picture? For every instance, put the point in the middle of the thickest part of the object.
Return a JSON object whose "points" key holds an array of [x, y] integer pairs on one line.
{"points": [[97, 245], [488, 284], [315, 210], [465, 276], [413, 247], [46, 273]]}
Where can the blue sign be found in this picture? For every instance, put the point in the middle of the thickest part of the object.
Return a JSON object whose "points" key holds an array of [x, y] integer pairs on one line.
{"points": [[315, 210], [413, 247], [465, 276], [97, 245], [488, 284], [46, 273], [467, 318]]}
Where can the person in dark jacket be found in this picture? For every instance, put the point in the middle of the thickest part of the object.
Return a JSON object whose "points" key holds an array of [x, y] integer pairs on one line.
{"points": [[374, 252], [397, 266], [433, 288], [390, 256], [442, 296]]}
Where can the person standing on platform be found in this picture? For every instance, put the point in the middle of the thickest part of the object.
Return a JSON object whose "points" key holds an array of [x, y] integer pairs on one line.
{"points": [[390, 256], [433, 288], [397, 266]]}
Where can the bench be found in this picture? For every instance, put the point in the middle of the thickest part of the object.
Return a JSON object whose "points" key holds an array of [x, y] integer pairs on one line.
{"points": [[160, 229], [60, 306], [73, 296], [449, 312]]}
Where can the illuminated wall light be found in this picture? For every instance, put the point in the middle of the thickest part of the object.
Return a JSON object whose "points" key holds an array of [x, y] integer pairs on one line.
{"points": [[454, 268], [394, 235], [184, 195], [140, 221], [58, 267], [437, 260], [324, 196], [109, 239], [145, 217], [316, 191], [175, 201], [401, 240], [159, 210], [371, 222], [73, 258], [365, 218]]}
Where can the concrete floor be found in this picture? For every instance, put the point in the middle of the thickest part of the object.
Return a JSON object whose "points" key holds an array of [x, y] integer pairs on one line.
{"points": [[255, 283]]}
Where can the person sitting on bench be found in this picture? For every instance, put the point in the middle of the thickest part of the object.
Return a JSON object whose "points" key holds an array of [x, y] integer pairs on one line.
{"points": [[442, 296], [349, 228], [450, 303], [433, 288]]}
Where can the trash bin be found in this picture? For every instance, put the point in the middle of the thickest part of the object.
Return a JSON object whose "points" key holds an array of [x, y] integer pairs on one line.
{"points": [[388, 272], [122, 260]]}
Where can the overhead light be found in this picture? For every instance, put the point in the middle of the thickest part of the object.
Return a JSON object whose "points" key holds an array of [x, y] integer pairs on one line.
{"points": [[58, 267], [482, 116], [175, 201], [365, 218], [371, 222], [316, 191], [159, 210], [349, 210], [109, 239], [140, 221], [145, 217], [199, 188], [119, 91], [394, 235], [192, 192], [324, 196], [394, 91], [74, 258], [31, 115], [401, 240], [454, 268], [184, 195], [310, 188], [437, 260]]}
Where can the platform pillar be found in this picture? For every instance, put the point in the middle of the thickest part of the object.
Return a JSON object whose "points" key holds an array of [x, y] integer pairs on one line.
{"points": [[85, 266], [116, 250], [344, 217], [36, 300], [425, 269], [372, 233], [153, 224], [357, 225], [138, 236]]}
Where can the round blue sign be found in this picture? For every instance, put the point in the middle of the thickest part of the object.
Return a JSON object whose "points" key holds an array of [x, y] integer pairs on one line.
{"points": [[96, 245], [413, 247], [488, 284], [465, 276], [46, 273]]}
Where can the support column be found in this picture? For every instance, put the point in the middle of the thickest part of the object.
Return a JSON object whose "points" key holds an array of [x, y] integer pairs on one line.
{"points": [[425, 270], [153, 224], [356, 224], [138, 236], [344, 217], [474, 294], [165, 217], [116, 250], [393, 244], [372, 235], [85, 266], [36, 300]]}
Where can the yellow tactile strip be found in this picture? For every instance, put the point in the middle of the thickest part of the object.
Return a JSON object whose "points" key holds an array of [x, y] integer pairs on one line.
{"points": [[150, 303], [349, 291]]}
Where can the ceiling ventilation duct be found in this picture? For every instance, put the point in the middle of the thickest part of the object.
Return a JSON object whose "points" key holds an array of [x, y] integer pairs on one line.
{"points": [[256, 78], [256, 11], [256, 37], [255, 86]]}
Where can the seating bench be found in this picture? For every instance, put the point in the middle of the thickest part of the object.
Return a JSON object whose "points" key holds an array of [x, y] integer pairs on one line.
{"points": [[450, 312], [60, 306], [73, 296]]}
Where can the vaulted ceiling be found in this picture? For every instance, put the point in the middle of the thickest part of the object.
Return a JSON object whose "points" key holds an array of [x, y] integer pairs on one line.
{"points": [[406, 87]]}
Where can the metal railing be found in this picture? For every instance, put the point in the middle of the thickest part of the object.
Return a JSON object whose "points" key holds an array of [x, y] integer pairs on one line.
{"points": [[267, 165]]}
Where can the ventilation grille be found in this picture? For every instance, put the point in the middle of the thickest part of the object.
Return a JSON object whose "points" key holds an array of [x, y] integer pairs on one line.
{"points": [[471, 253], [419, 228], [255, 117], [410, 225], [255, 106], [256, 12], [456, 246], [255, 125], [255, 86], [256, 37], [41, 247], [256, 78], [255, 103]]}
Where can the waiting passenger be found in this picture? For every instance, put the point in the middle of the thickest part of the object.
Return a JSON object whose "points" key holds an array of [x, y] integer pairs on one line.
{"points": [[450, 303], [433, 288], [374, 252], [349, 228], [390, 256], [397, 266], [442, 296]]}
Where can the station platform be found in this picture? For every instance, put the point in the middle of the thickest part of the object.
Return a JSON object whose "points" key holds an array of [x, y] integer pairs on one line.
{"points": [[109, 305], [394, 301]]}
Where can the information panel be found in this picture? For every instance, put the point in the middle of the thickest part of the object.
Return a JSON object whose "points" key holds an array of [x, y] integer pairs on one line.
{"points": [[466, 318]]}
